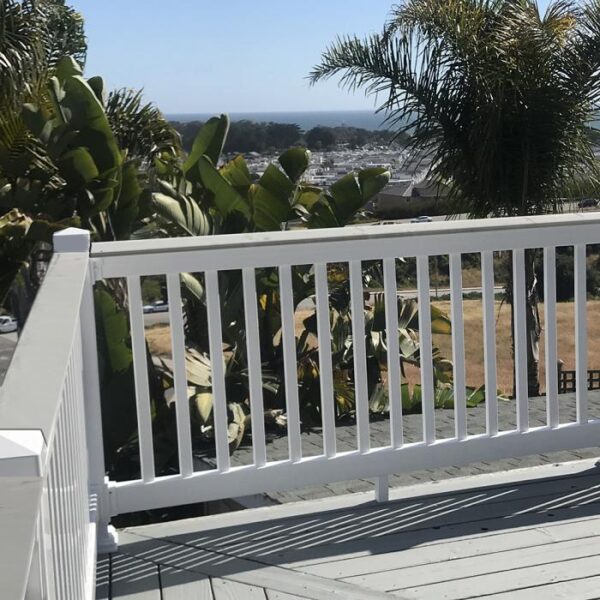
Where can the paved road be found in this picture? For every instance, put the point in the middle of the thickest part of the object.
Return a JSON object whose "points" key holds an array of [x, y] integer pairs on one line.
{"points": [[444, 291], [8, 342], [569, 207], [155, 318]]}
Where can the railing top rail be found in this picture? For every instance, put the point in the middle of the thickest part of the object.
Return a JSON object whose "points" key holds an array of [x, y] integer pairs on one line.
{"points": [[352, 233], [364, 242], [31, 391]]}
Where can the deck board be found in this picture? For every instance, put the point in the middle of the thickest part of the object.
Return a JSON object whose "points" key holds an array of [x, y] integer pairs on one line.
{"points": [[505, 582], [272, 595], [130, 578], [533, 534], [474, 566], [184, 585], [232, 590], [426, 554]]}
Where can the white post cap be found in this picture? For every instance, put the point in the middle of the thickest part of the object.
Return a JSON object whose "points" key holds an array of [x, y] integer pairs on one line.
{"points": [[21, 453], [72, 239]]}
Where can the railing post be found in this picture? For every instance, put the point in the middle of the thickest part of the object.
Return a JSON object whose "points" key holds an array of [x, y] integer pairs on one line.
{"points": [[22, 464], [78, 240], [382, 488]]}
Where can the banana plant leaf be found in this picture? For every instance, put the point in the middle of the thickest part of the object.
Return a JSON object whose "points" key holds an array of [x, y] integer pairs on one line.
{"points": [[295, 162], [209, 142], [226, 198], [181, 214]]}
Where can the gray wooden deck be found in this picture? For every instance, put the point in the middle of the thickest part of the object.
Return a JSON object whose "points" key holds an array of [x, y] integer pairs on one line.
{"points": [[530, 533]]}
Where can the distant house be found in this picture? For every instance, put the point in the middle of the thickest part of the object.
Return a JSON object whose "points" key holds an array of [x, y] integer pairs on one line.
{"points": [[406, 199]]}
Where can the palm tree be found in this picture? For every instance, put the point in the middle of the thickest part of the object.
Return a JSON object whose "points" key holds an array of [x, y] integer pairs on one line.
{"points": [[500, 96], [140, 129]]}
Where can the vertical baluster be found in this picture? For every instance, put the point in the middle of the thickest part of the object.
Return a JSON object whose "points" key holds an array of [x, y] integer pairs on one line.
{"points": [[69, 408], [290, 360], [68, 436], [215, 334], [489, 342], [182, 405], [361, 389], [61, 440], [325, 364], [458, 347], [47, 549], [254, 368], [55, 525], [65, 508], [520, 335], [581, 334], [550, 337], [64, 505], [47, 546], [390, 286], [140, 370], [427, 390], [81, 452]]}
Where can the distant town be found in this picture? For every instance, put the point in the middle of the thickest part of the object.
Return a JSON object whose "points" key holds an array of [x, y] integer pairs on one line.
{"points": [[337, 151]]}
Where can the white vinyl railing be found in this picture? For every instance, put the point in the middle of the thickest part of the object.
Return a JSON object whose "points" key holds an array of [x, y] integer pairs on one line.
{"points": [[47, 508], [55, 501], [353, 245]]}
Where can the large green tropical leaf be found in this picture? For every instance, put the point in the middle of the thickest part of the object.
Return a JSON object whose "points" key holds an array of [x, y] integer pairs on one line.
{"points": [[77, 166], [270, 199], [295, 161], [87, 116], [183, 213], [372, 181], [127, 206], [225, 197], [236, 173], [347, 197], [269, 211], [115, 327], [67, 67], [209, 142]]}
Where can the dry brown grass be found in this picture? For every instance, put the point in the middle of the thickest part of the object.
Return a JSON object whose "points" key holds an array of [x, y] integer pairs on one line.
{"points": [[474, 340], [159, 341]]}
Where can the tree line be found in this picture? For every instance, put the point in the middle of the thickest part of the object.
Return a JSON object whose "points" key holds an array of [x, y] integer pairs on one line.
{"points": [[250, 136]]}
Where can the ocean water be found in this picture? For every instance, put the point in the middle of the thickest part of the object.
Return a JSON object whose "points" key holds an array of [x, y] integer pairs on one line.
{"points": [[364, 119]]}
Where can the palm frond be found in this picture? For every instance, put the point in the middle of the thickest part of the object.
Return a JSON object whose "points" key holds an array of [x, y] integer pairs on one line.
{"points": [[140, 128], [498, 95]]}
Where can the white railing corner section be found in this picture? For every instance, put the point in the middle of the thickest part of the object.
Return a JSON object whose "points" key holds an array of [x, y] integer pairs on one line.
{"points": [[56, 501], [54, 511]]}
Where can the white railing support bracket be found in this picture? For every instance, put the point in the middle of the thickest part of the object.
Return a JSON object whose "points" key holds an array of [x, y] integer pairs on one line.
{"points": [[107, 537]]}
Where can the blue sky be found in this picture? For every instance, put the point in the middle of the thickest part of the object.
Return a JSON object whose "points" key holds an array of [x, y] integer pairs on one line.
{"points": [[234, 56]]}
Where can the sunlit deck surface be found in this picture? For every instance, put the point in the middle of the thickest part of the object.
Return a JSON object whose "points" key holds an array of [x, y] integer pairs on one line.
{"points": [[529, 533]]}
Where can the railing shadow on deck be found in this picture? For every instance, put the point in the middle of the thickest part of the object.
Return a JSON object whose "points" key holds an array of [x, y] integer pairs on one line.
{"points": [[365, 528]]}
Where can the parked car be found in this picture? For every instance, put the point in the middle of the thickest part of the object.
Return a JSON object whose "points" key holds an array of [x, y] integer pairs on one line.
{"points": [[421, 219], [7, 324], [160, 306], [588, 203], [148, 308]]}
